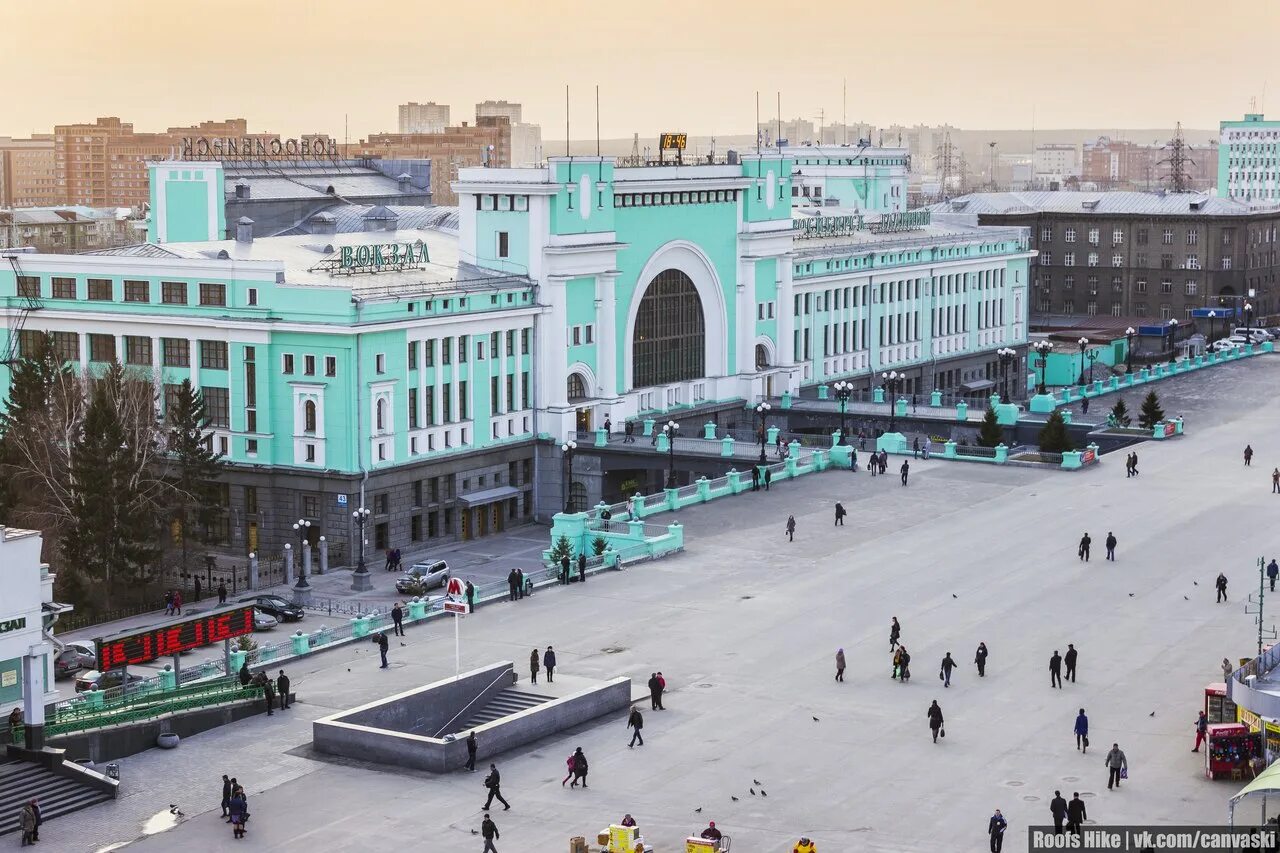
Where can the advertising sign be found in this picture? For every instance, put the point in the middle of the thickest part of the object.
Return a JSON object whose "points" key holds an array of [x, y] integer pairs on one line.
{"points": [[1087, 457], [1170, 428], [170, 638]]}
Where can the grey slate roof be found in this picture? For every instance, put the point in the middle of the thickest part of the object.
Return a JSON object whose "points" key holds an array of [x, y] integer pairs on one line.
{"points": [[1097, 204]]}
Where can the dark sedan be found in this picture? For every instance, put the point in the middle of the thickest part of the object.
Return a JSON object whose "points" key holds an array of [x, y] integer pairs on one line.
{"points": [[281, 608]]}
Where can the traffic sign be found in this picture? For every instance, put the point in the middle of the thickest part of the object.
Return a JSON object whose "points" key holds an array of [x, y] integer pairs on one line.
{"points": [[456, 587]]}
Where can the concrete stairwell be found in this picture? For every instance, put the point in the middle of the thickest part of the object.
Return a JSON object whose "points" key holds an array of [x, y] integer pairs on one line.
{"points": [[21, 781], [506, 703]]}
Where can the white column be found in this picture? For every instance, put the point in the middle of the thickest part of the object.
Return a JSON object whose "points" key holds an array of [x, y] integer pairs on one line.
{"points": [[193, 351], [155, 358], [552, 363], [83, 341], [607, 334], [786, 312], [746, 314]]}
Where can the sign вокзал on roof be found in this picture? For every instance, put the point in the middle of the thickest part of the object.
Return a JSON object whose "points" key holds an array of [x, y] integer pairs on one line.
{"points": [[257, 148]]}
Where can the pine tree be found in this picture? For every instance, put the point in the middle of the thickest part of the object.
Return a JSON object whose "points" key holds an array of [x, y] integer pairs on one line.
{"points": [[1150, 414], [33, 381], [599, 545], [562, 548], [1120, 413], [990, 433], [113, 527], [194, 467], [1053, 436]]}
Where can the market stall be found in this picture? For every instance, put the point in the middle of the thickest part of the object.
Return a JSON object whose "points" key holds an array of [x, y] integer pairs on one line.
{"points": [[1231, 751]]}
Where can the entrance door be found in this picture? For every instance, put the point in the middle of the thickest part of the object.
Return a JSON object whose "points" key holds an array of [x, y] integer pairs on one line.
{"points": [[466, 524], [482, 515], [498, 517], [584, 420]]}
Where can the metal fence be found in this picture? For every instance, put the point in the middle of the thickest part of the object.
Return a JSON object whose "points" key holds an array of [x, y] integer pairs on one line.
{"points": [[976, 450]]}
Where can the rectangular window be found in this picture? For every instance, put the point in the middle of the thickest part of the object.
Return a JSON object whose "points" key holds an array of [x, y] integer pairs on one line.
{"points": [[479, 350], [1193, 236], [251, 420], [1166, 286], [67, 345], [1166, 261], [446, 351], [251, 500], [1046, 259], [309, 365], [64, 288], [511, 340], [330, 365], [446, 402], [137, 291], [1093, 259], [1071, 235], [462, 400], [173, 292], [213, 294], [1093, 236], [413, 408], [462, 349], [1046, 234], [29, 286], [213, 355], [1069, 259], [102, 348], [1167, 237], [137, 350], [1140, 286], [428, 405], [1192, 287], [100, 289], [503, 244], [495, 402], [429, 353], [286, 364], [217, 405], [413, 355], [252, 294], [588, 334], [524, 390], [1117, 237], [1142, 236], [1117, 260], [524, 341], [311, 455], [380, 363], [176, 352]]}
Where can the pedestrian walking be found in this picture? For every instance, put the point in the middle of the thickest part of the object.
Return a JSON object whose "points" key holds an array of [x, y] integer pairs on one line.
{"points": [[768, 478], [1221, 586], [628, 432], [222, 593], [235, 786], [1275, 480], [470, 593], [895, 631], [568, 766], [935, 720], [1111, 546], [239, 812], [282, 687], [390, 562], [582, 567], [1202, 730], [1226, 669], [980, 658], [1058, 808], [915, 447], [564, 569], [1117, 765], [1055, 670], [839, 664], [791, 528], [381, 640], [873, 463], [1085, 542], [995, 828], [906, 467], [1070, 660], [489, 831], [1082, 732], [904, 665], [27, 822], [635, 722], [471, 751], [944, 672], [840, 514], [925, 449], [1272, 571], [862, 439], [1128, 466], [897, 662], [853, 460], [177, 602], [513, 585], [1135, 463], [494, 783], [168, 602], [755, 478], [884, 461], [197, 593], [397, 619], [533, 666], [1248, 455], [1084, 406], [608, 429], [549, 664], [1076, 813], [579, 768], [226, 793]]}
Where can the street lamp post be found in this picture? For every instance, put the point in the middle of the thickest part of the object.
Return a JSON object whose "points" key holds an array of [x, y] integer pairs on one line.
{"points": [[1006, 356], [1213, 315], [670, 430], [568, 449], [892, 382], [302, 528], [360, 580], [1248, 320], [1173, 340], [762, 411], [1128, 348], [1084, 345], [1043, 348], [844, 390], [1092, 355]]}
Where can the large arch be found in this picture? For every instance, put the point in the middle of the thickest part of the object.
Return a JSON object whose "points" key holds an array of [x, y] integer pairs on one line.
{"points": [[689, 259], [765, 343]]}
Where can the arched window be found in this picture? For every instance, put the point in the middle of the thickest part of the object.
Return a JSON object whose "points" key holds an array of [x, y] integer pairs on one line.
{"points": [[762, 357], [381, 415], [577, 497], [670, 332], [577, 388], [309, 416]]}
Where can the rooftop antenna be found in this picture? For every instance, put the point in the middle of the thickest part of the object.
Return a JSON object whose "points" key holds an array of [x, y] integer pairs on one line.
{"points": [[844, 108], [599, 159], [777, 137], [759, 158]]}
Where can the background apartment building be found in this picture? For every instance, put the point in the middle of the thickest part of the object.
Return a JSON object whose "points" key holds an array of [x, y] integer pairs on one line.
{"points": [[423, 118], [1118, 164], [526, 138], [27, 174], [1130, 254], [1248, 163], [486, 143]]}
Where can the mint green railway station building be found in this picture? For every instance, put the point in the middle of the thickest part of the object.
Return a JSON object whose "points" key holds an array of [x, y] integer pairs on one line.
{"points": [[427, 365]]}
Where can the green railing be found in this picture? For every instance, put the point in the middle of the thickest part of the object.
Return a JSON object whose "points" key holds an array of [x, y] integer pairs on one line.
{"points": [[131, 715], [149, 694]]}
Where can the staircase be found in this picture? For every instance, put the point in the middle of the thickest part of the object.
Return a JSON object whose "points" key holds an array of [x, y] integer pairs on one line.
{"points": [[21, 781], [504, 704]]}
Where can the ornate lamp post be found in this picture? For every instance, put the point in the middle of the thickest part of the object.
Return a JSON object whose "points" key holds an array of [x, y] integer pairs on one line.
{"points": [[670, 430], [360, 580], [1213, 315], [301, 527], [1173, 340], [844, 390], [1128, 348], [1092, 355], [892, 382], [568, 449], [1084, 345], [1248, 320], [1006, 356], [762, 411], [1043, 348]]}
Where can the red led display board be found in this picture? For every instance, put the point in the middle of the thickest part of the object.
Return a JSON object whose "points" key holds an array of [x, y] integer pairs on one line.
{"points": [[170, 638]]}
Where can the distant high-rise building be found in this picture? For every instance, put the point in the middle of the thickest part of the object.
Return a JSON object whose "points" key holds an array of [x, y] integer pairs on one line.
{"points": [[513, 112], [1118, 164], [1249, 159], [526, 139], [1053, 164], [423, 118], [487, 143], [27, 175]]}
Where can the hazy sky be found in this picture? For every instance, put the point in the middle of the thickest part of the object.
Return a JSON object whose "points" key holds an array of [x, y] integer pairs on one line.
{"points": [[292, 67]]}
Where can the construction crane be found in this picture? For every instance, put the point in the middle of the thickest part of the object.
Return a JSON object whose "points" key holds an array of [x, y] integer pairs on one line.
{"points": [[20, 307]]}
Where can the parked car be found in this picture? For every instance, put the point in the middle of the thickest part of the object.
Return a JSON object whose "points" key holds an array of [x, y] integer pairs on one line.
{"points": [[104, 680], [273, 605], [1225, 344], [75, 656], [422, 576], [1251, 334], [263, 621]]}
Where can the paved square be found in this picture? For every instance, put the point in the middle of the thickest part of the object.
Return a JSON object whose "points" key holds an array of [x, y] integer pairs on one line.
{"points": [[745, 626]]}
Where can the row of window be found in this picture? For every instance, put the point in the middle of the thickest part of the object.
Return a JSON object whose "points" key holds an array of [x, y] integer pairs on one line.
{"points": [[444, 349], [138, 351], [1191, 286], [1140, 309], [1190, 261], [103, 290], [288, 363], [656, 199], [1141, 236]]}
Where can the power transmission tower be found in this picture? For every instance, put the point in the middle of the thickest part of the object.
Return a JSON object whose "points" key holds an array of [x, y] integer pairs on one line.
{"points": [[994, 184], [634, 159], [1178, 176], [948, 162]]}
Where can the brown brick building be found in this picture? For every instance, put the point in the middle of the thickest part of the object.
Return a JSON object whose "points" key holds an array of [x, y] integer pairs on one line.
{"points": [[27, 174], [1117, 164], [487, 141], [1131, 254]]}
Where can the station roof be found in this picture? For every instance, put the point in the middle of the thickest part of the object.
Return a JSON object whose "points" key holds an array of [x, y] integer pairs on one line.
{"points": [[1117, 203]]}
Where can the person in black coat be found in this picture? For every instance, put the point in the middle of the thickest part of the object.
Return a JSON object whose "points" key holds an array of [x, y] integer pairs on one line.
{"points": [[995, 828], [471, 596], [840, 513], [980, 658], [564, 569], [222, 593], [1058, 808], [935, 719], [768, 478], [579, 768], [1070, 660], [655, 692], [489, 830], [1076, 814], [471, 751], [895, 631], [245, 675], [397, 619], [513, 585], [226, 793], [381, 640], [1085, 542], [282, 687], [635, 721], [582, 567], [549, 664], [1055, 670], [494, 783], [1111, 546], [755, 478]]}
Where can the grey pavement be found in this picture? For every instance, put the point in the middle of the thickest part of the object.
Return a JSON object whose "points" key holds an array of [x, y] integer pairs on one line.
{"points": [[745, 624]]}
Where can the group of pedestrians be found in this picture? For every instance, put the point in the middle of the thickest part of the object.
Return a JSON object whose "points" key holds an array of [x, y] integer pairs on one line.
{"points": [[1086, 543], [235, 805], [548, 662], [1131, 465], [518, 584], [1072, 813], [173, 602], [566, 569], [29, 821], [1056, 662], [393, 560]]}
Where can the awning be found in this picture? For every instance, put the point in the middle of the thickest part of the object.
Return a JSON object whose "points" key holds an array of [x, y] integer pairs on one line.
{"points": [[977, 385], [489, 496], [1267, 782]]}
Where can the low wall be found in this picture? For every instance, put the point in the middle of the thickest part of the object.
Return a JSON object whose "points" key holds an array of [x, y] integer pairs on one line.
{"points": [[425, 710], [121, 741], [337, 735]]}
